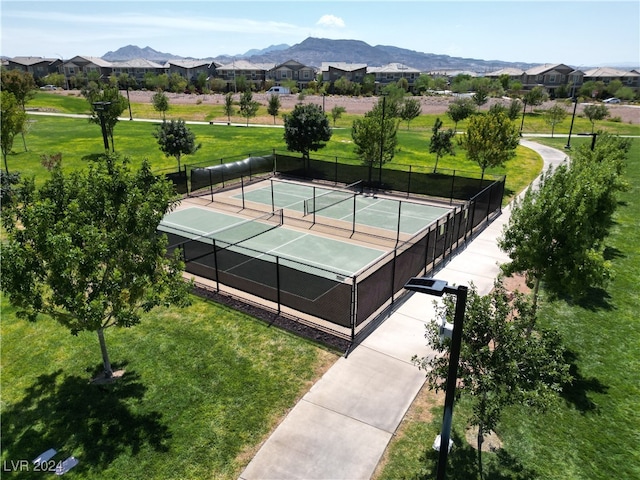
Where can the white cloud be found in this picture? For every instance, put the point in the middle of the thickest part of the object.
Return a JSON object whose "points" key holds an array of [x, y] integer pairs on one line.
{"points": [[331, 21]]}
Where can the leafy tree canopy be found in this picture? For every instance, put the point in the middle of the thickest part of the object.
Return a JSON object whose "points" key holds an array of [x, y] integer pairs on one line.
{"points": [[461, 109], [20, 84], [176, 139], [556, 232], [491, 139], [13, 120], [306, 129], [83, 249], [506, 358]]}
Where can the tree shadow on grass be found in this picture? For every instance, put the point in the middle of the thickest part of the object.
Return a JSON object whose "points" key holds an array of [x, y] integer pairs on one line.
{"points": [[95, 423], [577, 392], [462, 464]]}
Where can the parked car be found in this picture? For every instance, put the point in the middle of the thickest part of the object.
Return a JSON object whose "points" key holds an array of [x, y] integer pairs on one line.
{"points": [[612, 100], [48, 87], [278, 90]]}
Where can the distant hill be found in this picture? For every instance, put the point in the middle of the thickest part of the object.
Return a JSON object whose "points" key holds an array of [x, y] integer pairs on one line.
{"points": [[272, 48], [314, 51], [131, 52]]}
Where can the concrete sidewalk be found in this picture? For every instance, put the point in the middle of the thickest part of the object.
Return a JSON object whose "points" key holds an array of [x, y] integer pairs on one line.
{"points": [[342, 426]]}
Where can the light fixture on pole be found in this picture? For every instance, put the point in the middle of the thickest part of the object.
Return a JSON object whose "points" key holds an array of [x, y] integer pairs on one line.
{"points": [[432, 286], [593, 138]]}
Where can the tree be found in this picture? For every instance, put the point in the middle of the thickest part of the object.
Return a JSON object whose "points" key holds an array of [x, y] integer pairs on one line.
{"points": [[175, 139], [441, 142], [13, 122], [481, 95], [306, 129], [505, 358], [20, 84], [556, 232], [111, 105], [554, 116], [274, 106], [336, 113], [422, 84], [84, 250], [375, 137], [491, 140], [514, 109], [177, 83], [411, 109], [228, 106], [460, 109], [160, 103], [536, 96], [248, 107], [595, 112]]}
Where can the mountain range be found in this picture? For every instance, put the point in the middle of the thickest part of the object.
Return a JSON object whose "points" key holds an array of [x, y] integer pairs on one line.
{"points": [[313, 51]]}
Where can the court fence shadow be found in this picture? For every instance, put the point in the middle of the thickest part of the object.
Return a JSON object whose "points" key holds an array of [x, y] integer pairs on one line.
{"points": [[95, 423]]}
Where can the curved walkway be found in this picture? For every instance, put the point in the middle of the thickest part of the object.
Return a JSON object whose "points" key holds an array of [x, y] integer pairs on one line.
{"points": [[342, 426]]}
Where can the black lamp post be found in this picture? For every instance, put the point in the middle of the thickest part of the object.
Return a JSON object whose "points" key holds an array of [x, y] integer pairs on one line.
{"points": [[593, 138], [524, 110], [431, 286], [573, 117], [100, 108]]}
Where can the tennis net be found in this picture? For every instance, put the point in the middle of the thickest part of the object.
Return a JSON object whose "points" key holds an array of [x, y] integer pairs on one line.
{"points": [[248, 229], [332, 197], [195, 246]]}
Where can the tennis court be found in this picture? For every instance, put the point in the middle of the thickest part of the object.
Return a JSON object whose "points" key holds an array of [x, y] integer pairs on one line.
{"points": [[265, 239], [348, 205]]}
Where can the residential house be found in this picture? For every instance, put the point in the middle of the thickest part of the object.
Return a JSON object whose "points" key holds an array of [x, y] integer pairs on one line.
{"points": [[393, 72], [80, 65], [332, 71], [37, 66], [137, 69], [292, 71], [192, 69], [254, 73], [607, 75], [549, 76]]}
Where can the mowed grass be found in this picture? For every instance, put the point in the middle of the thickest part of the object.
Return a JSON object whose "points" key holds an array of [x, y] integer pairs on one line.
{"points": [[591, 432], [202, 387], [78, 141]]}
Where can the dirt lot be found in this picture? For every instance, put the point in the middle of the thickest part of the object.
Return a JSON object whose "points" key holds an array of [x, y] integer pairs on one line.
{"points": [[361, 105]]}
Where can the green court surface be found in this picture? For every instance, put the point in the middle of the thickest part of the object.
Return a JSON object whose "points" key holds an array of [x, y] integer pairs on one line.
{"points": [[315, 254], [371, 211]]}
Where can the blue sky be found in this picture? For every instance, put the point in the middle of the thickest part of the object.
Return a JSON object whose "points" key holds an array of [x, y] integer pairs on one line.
{"points": [[577, 33]]}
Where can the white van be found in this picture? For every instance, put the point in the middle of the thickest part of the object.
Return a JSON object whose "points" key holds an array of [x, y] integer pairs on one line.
{"points": [[279, 90]]}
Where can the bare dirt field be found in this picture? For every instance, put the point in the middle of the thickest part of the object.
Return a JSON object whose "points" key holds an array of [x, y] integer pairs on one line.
{"points": [[360, 105]]}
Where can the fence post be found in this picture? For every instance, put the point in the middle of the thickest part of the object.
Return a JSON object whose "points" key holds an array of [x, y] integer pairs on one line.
{"points": [[242, 188], [278, 281], [354, 309], [453, 181], [215, 264], [409, 182], [210, 186], [399, 217]]}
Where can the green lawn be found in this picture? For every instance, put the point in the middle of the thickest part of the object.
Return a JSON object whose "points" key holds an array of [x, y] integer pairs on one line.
{"points": [[203, 386], [78, 141], [591, 432]]}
